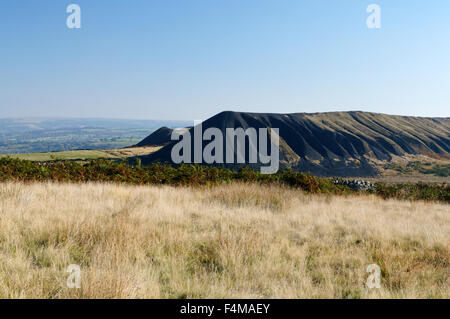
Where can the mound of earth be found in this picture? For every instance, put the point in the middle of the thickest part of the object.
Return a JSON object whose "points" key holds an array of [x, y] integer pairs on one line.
{"points": [[158, 138], [333, 143]]}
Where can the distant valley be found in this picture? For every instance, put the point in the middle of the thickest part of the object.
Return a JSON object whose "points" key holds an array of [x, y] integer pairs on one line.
{"points": [[36, 135]]}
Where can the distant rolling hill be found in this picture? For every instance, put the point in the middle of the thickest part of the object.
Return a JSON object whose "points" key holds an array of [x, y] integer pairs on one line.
{"points": [[334, 143]]}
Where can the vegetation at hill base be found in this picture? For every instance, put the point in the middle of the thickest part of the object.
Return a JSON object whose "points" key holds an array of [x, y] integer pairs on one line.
{"points": [[442, 170], [16, 170]]}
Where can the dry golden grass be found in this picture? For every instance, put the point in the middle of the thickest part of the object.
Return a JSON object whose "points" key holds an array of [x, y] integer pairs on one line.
{"points": [[237, 241]]}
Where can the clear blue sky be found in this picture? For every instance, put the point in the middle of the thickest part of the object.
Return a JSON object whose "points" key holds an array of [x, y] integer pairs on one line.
{"points": [[189, 59]]}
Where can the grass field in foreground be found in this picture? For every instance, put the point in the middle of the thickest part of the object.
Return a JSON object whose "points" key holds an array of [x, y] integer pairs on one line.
{"points": [[236, 240]]}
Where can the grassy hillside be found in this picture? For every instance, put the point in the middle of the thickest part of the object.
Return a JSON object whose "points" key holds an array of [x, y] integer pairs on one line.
{"points": [[346, 144], [230, 241]]}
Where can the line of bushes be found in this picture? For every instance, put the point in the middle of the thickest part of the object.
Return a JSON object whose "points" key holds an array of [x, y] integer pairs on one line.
{"points": [[184, 175]]}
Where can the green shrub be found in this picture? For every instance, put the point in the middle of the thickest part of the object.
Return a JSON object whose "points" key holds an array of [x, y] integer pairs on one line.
{"points": [[12, 169]]}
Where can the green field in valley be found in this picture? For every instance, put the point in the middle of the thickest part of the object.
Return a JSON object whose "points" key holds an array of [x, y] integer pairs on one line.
{"points": [[65, 155], [83, 155]]}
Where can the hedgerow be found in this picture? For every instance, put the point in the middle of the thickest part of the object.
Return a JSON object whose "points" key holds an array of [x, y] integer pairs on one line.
{"points": [[12, 169]]}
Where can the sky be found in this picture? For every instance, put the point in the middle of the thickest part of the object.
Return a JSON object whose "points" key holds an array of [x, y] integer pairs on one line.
{"points": [[190, 59]]}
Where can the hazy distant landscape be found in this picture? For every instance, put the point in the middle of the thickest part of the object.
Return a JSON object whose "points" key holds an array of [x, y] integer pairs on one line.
{"points": [[36, 135]]}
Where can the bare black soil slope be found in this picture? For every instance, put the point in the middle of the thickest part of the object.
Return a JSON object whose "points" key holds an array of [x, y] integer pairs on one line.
{"points": [[157, 138], [335, 143]]}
